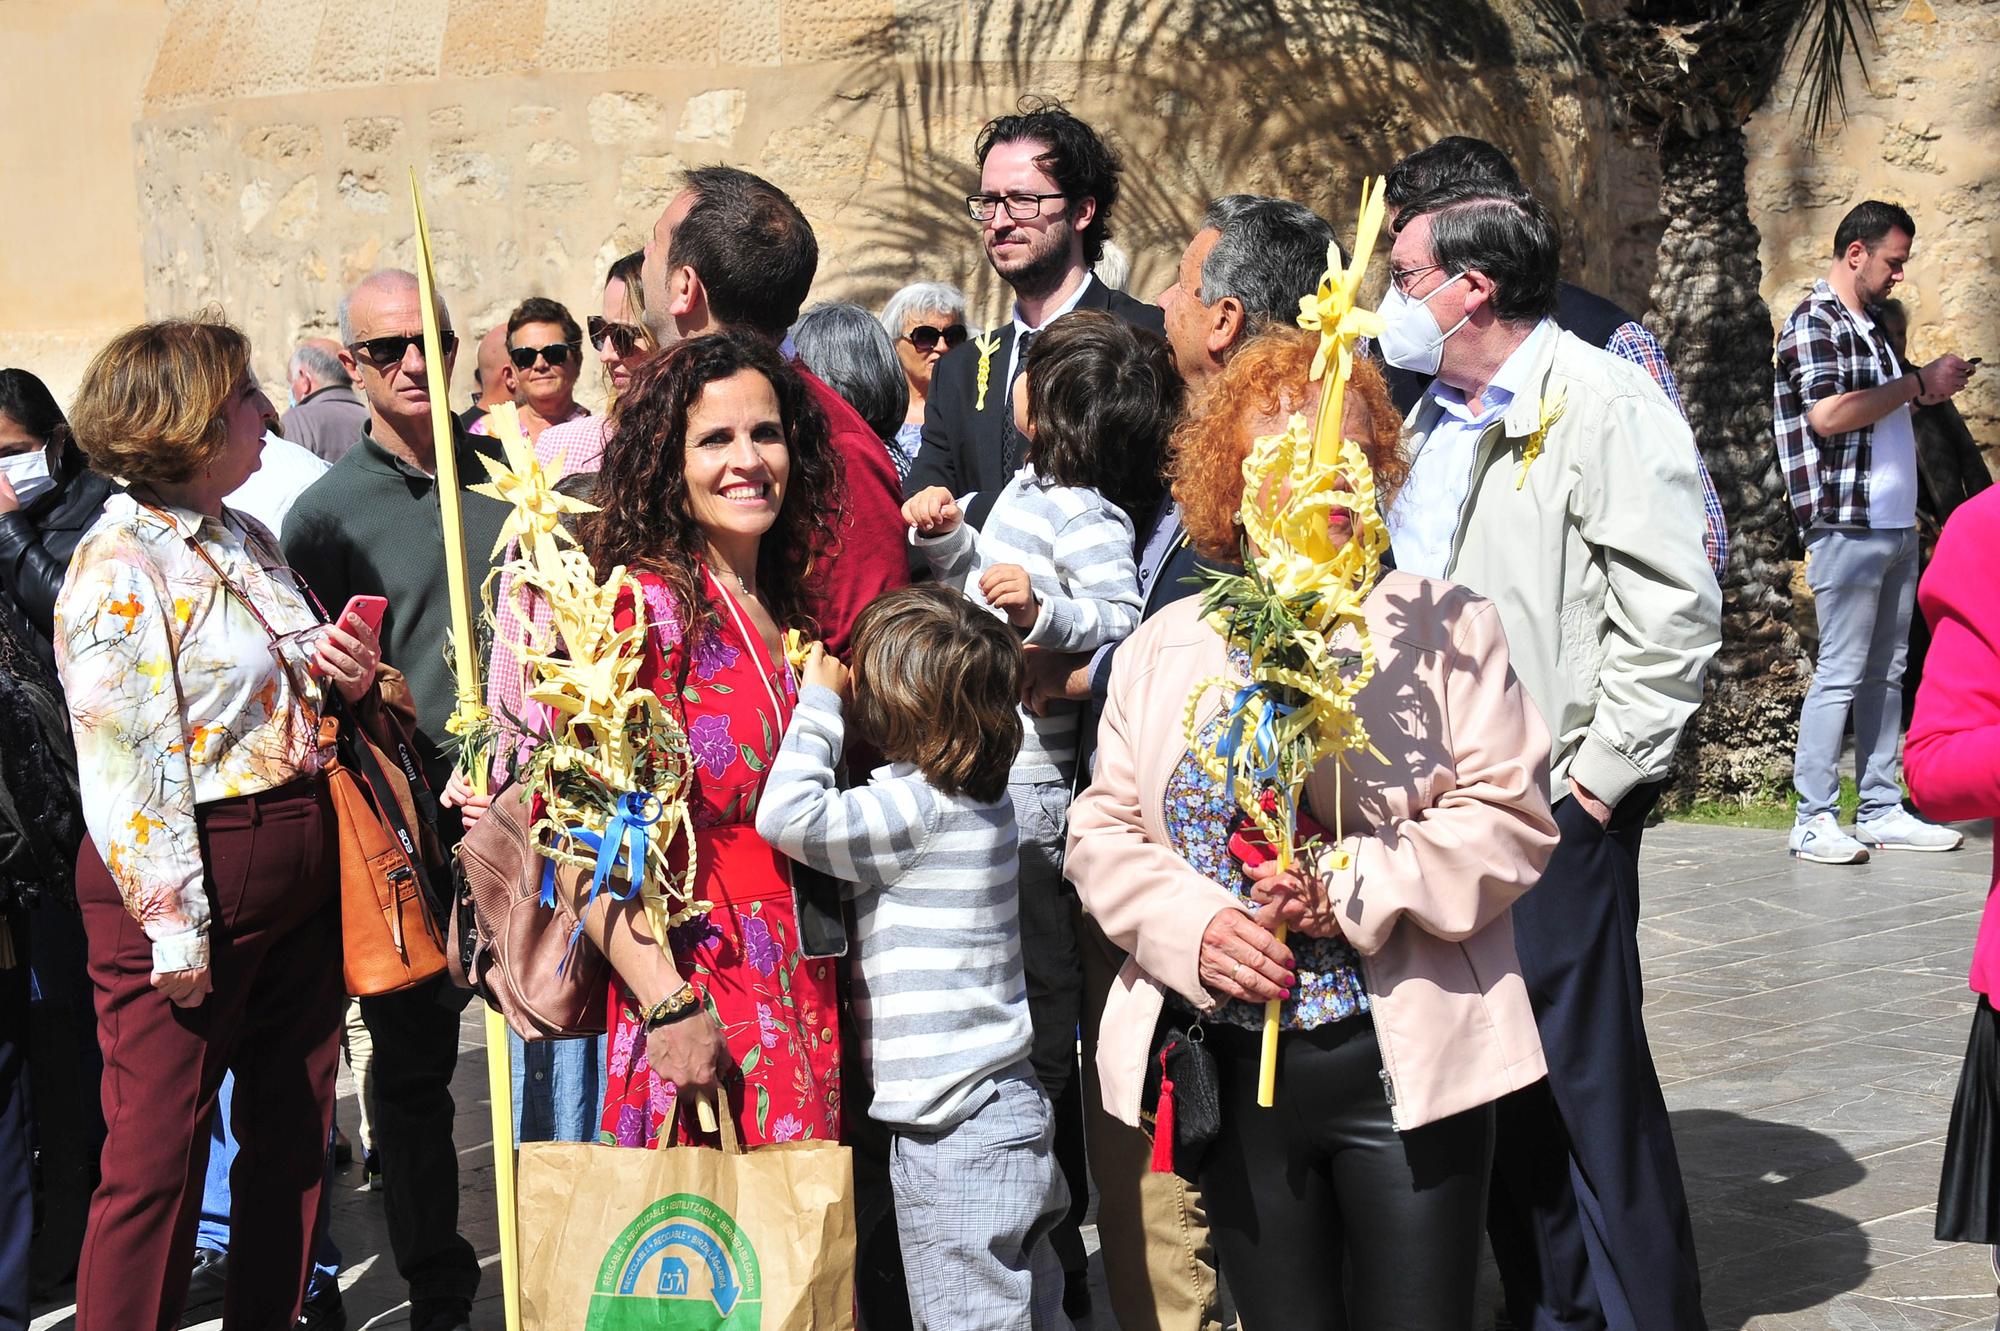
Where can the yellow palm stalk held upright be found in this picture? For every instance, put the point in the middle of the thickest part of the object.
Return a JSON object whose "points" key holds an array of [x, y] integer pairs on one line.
{"points": [[1300, 590], [458, 585]]}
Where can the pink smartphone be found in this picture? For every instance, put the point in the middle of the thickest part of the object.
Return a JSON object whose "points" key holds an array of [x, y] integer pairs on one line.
{"points": [[368, 609]]}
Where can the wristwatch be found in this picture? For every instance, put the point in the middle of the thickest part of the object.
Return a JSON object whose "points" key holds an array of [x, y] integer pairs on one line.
{"points": [[674, 1007]]}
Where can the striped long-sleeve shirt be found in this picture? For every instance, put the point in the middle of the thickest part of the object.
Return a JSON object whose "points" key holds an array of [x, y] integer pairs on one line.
{"points": [[1076, 546], [939, 991]]}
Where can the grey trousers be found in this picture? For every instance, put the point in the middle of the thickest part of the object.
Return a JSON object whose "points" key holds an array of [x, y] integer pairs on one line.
{"points": [[974, 1206], [1864, 584]]}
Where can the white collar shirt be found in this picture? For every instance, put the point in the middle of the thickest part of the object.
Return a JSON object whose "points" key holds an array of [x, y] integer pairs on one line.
{"points": [[1423, 520]]}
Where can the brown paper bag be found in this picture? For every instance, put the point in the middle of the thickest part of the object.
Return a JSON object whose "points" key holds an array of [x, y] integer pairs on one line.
{"points": [[687, 1238]]}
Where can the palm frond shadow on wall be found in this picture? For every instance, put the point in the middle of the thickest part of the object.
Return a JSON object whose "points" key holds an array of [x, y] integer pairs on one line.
{"points": [[1206, 97]]}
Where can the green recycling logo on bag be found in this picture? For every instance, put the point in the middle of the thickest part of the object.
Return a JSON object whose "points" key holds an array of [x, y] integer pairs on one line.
{"points": [[683, 1265]]}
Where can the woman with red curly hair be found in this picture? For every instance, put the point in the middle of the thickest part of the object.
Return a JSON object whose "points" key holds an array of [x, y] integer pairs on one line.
{"points": [[1360, 1198]]}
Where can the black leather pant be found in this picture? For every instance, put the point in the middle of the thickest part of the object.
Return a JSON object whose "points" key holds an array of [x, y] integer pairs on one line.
{"points": [[1326, 1218]]}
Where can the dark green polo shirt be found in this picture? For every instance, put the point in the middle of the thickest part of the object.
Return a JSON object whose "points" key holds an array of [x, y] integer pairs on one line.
{"points": [[371, 526]]}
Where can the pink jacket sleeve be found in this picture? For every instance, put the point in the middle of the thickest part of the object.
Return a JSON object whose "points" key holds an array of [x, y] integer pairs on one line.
{"points": [[1952, 754], [1143, 895], [1454, 867]]}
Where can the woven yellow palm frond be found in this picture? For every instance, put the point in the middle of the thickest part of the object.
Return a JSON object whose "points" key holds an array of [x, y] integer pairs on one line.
{"points": [[1296, 609], [611, 764]]}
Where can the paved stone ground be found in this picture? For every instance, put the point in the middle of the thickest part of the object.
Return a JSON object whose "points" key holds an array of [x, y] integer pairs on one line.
{"points": [[1807, 1022]]}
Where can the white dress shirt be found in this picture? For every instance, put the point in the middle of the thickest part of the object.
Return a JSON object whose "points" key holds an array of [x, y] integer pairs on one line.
{"points": [[1423, 521]]}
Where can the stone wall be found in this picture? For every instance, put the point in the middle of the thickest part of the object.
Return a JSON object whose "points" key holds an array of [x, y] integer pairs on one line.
{"points": [[269, 145], [70, 226]]}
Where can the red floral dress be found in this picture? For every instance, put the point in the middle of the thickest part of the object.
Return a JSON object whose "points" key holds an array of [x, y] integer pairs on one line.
{"points": [[777, 1007]]}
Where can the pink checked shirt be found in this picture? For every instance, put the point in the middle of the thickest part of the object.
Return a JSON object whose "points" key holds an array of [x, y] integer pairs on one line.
{"points": [[573, 447]]}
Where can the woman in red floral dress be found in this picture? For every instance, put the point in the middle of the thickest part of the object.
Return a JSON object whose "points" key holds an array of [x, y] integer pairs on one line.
{"points": [[712, 488]]}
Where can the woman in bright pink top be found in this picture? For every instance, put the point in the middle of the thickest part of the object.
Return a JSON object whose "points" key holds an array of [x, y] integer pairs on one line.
{"points": [[1952, 762]]}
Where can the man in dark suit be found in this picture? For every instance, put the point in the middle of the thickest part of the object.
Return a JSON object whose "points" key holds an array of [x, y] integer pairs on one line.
{"points": [[1047, 185]]}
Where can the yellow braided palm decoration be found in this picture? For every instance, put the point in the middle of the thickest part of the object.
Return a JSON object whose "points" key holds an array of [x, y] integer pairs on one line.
{"points": [[1294, 484], [605, 734]]}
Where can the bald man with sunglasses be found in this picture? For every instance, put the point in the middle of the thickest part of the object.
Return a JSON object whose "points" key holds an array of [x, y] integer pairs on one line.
{"points": [[372, 526]]}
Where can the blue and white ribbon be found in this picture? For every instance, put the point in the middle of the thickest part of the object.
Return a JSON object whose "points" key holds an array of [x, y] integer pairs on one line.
{"points": [[625, 839]]}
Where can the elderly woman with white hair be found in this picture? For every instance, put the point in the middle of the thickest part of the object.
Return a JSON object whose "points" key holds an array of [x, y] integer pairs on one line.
{"points": [[925, 320]]}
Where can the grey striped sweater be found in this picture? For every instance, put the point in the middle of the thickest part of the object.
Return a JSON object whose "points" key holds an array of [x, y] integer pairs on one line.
{"points": [[939, 991], [1076, 546]]}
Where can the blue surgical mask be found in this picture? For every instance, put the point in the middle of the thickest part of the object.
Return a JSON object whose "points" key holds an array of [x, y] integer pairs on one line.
{"points": [[28, 474], [1410, 339]]}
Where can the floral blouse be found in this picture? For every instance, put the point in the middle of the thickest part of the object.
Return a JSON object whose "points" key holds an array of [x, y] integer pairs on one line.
{"points": [[177, 699], [1200, 816]]}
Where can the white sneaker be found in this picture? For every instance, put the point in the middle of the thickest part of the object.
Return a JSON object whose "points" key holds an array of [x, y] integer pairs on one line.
{"points": [[1902, 830], [1820, 840]]}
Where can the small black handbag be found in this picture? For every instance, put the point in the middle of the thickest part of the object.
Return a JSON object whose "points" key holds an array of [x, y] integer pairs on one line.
{"points": [[1181, 1104]]}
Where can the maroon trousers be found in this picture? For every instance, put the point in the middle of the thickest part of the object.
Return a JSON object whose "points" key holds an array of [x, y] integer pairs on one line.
{"points": [[273, 1016]]}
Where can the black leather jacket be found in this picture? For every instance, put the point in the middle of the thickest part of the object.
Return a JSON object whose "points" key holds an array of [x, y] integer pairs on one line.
{"points": [[36, 542]]}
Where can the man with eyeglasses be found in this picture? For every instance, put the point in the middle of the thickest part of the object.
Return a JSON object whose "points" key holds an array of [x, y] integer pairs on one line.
{"points": [[1460, 158], [372, 526], [1557, 480], [1047, 186], [545, 347]]}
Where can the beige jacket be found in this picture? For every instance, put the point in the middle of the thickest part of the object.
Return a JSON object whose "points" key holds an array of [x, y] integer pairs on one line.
{"points": [[1446, 830], [1595, 561]]}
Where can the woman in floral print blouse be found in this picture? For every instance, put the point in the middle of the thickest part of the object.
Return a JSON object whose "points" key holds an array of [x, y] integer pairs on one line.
{"points": [[714, 485], [209, 883]]}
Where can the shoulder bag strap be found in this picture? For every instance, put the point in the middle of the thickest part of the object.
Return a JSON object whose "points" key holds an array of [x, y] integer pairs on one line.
{"points": [[349, 743], [359, 756]]}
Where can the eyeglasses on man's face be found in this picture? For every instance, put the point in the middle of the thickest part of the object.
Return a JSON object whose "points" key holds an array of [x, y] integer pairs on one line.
{"points": [[1020, 207], [1405, 278], [555, 353], [925, 337], [383, 352]]}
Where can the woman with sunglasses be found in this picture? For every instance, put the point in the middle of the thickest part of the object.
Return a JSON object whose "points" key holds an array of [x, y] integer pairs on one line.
{"points": [[546, 348], [620, 337], [209, 881], [559, 1084], [925, 319]]}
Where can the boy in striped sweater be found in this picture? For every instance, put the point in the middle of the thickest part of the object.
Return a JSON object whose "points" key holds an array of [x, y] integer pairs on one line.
{"points": [[927, 850]]}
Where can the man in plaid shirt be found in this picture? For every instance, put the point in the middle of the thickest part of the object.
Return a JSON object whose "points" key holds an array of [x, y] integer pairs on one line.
{"points": [[1842, 417]]}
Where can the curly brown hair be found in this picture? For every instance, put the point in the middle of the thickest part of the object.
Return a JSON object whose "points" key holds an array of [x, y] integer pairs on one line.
{"points": [[645, 520], [937, 681], [1262, 384], [152, 403]]}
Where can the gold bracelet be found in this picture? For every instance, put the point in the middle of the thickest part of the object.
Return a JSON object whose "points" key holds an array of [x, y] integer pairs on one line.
{"points": [[671, 1008]]}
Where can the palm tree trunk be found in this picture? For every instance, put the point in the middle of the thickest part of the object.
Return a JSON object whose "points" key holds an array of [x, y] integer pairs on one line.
{"points": [[1712, 320]]}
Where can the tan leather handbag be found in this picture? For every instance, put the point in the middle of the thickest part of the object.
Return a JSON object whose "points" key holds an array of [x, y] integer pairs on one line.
{"points": [[525, 959], [390, 937]]}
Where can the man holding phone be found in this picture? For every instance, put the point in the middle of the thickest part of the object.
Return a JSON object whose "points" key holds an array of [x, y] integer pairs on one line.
{"points": [[371, 527], [1846, 440]]}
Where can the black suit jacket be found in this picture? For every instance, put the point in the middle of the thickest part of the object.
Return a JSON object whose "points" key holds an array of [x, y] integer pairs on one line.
{"points": [[964, 450]]}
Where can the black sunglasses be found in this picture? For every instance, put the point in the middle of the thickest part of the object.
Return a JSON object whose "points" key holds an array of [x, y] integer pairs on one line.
{"points": [[555, 353], [625, 338], [925, 337], [385, 351]]}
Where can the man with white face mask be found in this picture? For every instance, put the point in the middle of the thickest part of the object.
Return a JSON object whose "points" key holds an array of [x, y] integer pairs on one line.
{"points": [[1558, 481]]}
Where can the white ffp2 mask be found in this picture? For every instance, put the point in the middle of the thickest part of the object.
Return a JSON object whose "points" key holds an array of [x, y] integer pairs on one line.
{"points": [[1410, 339]]}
